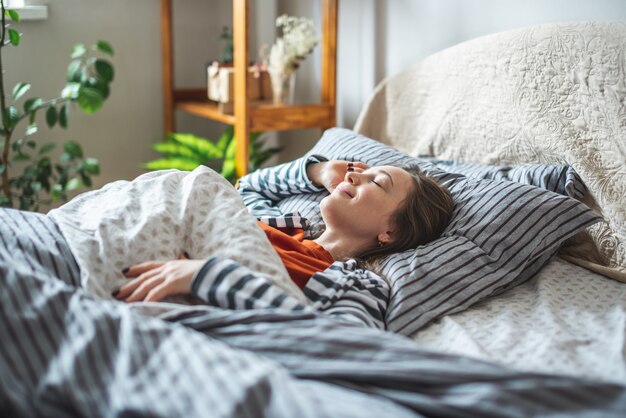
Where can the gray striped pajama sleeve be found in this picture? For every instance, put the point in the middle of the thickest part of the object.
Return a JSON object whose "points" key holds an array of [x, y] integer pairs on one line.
{"points": [[342, 291], [261, 189]]}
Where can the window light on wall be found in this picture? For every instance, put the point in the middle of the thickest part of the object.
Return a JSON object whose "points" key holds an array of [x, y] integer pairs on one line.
{"points": [[28, 11]]}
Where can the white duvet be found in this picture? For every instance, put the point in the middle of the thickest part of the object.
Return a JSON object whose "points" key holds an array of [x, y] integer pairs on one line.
{"points": [[158, 216]]}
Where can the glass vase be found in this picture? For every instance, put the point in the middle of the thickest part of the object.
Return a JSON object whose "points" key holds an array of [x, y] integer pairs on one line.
{"points": [[283, 87]]}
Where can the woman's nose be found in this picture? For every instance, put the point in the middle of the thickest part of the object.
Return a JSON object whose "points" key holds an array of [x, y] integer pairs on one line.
{"points": [[351, 177]]}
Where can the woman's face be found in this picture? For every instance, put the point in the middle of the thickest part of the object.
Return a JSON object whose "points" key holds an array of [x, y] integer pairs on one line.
{"points": [[361, 205]]}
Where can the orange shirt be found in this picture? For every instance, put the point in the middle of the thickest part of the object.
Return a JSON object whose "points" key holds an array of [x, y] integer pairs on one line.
{"points": [[301, 257]]}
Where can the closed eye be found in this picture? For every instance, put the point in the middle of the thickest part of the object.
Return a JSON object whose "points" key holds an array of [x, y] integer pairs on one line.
{"points": [[376, 183]]}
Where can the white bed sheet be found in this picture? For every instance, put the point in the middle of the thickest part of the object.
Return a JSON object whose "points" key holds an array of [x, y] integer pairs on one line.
{"points": [[566, 320]]}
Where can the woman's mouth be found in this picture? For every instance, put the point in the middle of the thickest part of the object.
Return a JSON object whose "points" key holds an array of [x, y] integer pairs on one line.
{"points": [[346, 191]]}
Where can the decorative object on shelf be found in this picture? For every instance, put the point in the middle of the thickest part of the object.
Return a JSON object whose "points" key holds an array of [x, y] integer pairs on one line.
{"points": [[221, 78], [187, 151], [221, 82], [88, 80], [226, 36], [297, 41]]}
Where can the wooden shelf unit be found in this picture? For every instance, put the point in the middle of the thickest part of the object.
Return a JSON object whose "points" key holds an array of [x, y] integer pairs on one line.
{"points": [[250, 116]]}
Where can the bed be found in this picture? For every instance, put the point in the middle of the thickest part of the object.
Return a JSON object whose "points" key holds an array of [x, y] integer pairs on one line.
{"points": [[552, 94], [69, 349]]}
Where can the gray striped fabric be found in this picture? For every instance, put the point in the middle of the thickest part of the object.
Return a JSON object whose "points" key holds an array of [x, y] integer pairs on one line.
{"points": [[561, 179], [501, 234], [65, 353]]}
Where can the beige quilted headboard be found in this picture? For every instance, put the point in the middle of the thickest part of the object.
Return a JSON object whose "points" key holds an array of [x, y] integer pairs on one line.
{"points": [[546, 94]]}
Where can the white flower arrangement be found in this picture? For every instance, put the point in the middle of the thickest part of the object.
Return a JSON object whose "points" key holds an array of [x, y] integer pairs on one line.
{"points": [[298, 40]]}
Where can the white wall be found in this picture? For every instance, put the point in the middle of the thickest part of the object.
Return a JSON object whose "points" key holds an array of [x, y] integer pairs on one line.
{"points": [[377, 38]]}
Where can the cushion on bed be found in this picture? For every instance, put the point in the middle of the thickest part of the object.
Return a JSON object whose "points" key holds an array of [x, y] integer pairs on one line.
{"points": [[501, 234], [558, 178], [548, 94]]}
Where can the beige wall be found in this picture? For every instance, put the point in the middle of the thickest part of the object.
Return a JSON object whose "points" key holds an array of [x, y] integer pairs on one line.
{"points": [[131, 120], [377, 38]]}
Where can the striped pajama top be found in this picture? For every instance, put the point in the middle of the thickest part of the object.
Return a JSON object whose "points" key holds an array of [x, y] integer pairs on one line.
{"points": [[343, 290]]}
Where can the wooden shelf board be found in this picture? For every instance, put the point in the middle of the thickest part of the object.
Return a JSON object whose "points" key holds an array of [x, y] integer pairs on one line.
{"points": [[264, 116], [206, 110], [280, 118]]}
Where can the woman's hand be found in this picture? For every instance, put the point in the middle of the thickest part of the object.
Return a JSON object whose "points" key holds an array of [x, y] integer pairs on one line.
{"points": [[155, 280], [330, 173]]}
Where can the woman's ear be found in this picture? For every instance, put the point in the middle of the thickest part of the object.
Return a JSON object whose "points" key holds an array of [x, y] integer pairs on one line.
{"points": [[385, 237]]}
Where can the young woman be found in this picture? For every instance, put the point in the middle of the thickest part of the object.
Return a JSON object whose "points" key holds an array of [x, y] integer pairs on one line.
{"points": [[368, 213]]}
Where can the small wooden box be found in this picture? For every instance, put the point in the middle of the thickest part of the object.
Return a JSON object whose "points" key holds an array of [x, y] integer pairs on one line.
{"points": [[221, 83]]}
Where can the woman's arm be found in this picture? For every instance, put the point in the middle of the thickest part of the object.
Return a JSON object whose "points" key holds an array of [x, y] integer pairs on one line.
{"points": [[262, 189], [343, 291]]}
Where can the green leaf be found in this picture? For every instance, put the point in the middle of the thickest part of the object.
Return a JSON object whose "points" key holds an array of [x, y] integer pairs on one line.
{"points": [[32, 129], [85, 179], [91, 166], [35, 186], [73, 149], [26, 202], [63, 116], [14, 37], [105, 70], [21, 157], [13, 14], [56, 192], [51, 116], [73, 184], [17, 144], [32, 104], [11, 117], [70, 91], [89, 99], [104, 47], [78, 50], [206, 149], [74, 71], [174, 149], [47, 147], [4, 201], [224, 140], [172, 163], [228, 168], [19, 90], [100, 85]]}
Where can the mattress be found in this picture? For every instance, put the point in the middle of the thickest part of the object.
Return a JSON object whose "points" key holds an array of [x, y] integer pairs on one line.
{"points": [[565, 320]]}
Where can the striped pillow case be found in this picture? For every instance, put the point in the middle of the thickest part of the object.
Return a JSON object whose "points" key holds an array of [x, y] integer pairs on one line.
{"points": [[561, 179], [501, 233]]}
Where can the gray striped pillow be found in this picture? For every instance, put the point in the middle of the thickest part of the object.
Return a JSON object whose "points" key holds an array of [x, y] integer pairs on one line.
{"points": [[501, 234], [557, 178]]}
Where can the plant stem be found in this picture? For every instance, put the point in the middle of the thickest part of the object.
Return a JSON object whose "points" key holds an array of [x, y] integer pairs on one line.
{"points": [[51, 102], [6, 190]]}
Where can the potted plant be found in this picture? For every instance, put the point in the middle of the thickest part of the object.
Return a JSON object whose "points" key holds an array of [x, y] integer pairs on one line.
{"points": [[43, 181], [187, 151]]}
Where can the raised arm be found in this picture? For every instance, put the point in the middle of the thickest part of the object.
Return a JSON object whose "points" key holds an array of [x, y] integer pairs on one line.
{"points": [[343, 291], [262, 189]]}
